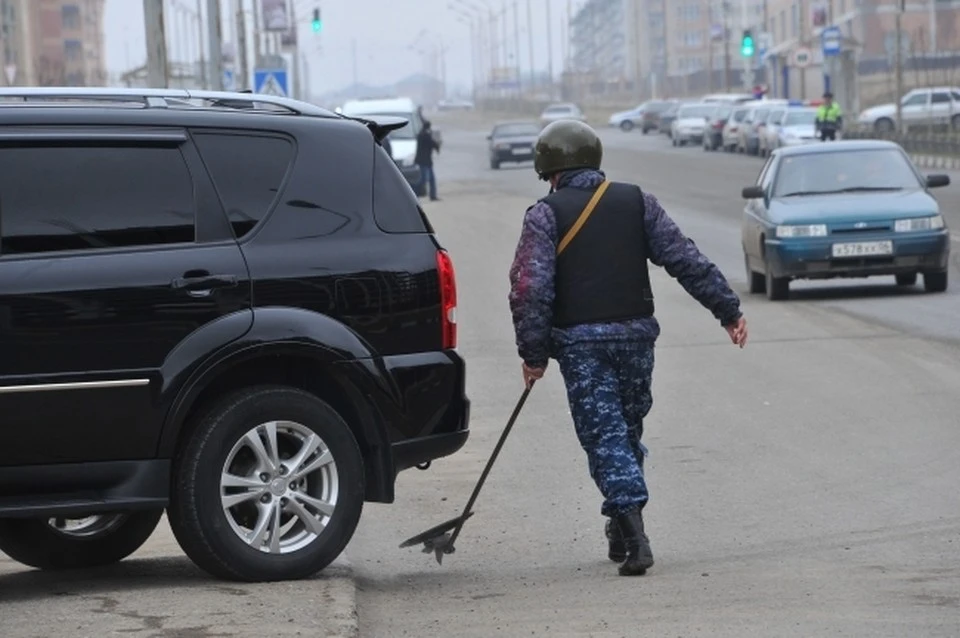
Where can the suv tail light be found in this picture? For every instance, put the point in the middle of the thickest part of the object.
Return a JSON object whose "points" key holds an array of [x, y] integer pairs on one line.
{"points": [[448, 300]]}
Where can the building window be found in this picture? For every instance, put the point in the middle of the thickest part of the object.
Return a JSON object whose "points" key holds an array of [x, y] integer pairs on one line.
{"points": [[73, 49], [70, 15]]}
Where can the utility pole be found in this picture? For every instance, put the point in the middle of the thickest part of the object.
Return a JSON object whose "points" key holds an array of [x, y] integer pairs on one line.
{"points": [[242, 48], [516, 46], [203, 58], [747, 59], [533, 68], [549, 48], [353, 54], [294, 57], [803, 71], [899, 63], [158, 71], [258, 37], [214, 40], [637, 76]]}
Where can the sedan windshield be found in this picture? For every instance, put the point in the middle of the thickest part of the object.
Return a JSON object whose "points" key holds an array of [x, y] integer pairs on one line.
{"points": [[799, 118], [514, 130], [704, 110], [844, 172]]}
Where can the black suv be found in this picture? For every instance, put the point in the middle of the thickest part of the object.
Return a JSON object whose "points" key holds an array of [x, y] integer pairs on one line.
{"points": [[228, 306]]}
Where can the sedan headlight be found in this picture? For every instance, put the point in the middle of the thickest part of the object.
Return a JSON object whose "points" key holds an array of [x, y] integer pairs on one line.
{"points": [[808, 230], [502, 146], [918, 223]]}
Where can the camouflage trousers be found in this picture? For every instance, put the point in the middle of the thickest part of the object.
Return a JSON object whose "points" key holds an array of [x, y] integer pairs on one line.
{"points": [[608, 387]]}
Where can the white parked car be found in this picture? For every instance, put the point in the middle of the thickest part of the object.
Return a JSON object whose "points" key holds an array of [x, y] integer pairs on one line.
{"points": [[798, 126], [556, 112], [936, 105], [627, 120], [690, 123]]}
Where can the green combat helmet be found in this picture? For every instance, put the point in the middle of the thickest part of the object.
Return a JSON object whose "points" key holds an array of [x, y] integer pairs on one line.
{"points": [[564, 145]]}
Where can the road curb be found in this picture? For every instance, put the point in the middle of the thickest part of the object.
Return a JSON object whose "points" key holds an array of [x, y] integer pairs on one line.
{"points": [[341, 614]]}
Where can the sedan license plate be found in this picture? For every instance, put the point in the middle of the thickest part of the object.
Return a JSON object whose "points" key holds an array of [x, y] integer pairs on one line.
{"points": [[863, 249], [521, 151]]}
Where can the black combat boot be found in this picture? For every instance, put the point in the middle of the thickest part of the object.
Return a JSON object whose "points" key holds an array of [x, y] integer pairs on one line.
{"points": [[635, 541], [617, 551]]}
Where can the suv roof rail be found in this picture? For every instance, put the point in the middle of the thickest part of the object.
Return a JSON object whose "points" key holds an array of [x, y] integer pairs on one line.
{"points": [[164, 98]]}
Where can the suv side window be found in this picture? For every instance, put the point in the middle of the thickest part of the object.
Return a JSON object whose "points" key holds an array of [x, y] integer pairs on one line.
{"points": [[248, 171], [89, 197], [940, 98]]}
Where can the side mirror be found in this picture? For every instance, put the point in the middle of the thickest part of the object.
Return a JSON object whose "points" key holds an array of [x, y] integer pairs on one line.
{"points": [[753, 192], [936, 181]]}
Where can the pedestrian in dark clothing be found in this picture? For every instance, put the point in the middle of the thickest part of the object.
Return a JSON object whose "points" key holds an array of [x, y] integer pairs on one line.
{"points": [[426, 145], [580, 293]]}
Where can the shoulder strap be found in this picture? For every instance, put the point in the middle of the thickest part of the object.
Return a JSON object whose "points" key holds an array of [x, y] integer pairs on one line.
{"points": [[584, 216]]}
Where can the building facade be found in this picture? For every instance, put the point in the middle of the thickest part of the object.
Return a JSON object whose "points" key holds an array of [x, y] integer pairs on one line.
{"points": [[53, 42], [863, 71]]}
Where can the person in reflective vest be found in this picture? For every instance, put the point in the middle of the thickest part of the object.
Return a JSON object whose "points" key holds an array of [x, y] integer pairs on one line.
{"points": [[580, 293], [829, 118]]}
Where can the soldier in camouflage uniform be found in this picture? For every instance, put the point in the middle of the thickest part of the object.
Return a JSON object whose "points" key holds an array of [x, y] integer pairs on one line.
{"points": [[580, 293]]}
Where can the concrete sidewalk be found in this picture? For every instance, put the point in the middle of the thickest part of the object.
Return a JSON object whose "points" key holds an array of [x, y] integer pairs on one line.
{"points": [[159, 592]]}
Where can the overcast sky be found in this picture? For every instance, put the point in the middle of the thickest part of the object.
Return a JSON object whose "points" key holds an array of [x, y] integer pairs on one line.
{"points": [[384, 30]]}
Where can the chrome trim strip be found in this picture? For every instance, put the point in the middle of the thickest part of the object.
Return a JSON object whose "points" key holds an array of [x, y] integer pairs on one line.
{"points": [[79, 385]]}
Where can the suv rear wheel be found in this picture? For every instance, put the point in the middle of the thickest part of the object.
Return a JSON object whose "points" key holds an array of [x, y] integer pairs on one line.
{"points": [[269, 486], [92, 541]]}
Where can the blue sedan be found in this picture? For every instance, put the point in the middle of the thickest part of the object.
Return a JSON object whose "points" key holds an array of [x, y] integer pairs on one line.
{"points": [[843, 209]]}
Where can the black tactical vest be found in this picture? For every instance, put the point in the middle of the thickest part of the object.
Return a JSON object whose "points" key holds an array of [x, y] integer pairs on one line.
{"points": [[602, 274]]}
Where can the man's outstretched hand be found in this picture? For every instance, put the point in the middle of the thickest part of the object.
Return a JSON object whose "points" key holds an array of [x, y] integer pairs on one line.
{"points": [[531, 374], [738, 332]]}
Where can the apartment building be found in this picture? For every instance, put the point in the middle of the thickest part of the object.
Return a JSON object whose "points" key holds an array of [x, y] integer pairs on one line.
{"points": [[930, 36], [52, 42], [672, 46], [603, 40]]}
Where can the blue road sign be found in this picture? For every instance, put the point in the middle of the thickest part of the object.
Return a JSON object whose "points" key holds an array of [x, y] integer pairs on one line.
{"points": [[271, 82], [229, 80], [831, 39]]}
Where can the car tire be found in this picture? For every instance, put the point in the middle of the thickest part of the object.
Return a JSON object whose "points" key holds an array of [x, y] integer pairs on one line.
{"points": [[228, 541], [756, 282], [777, 288], [105, 539], [495, 165], [884, 125], [626, 126], [935, 281], [907, 279]]}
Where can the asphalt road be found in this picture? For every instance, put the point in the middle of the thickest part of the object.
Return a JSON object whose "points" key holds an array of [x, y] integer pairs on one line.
{"points": [[806, 485]]}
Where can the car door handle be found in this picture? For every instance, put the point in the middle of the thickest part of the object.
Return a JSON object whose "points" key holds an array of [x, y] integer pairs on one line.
{"points": [[203, 285]]}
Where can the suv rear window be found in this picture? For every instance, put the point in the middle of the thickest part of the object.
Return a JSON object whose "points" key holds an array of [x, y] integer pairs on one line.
{"points": [[82, 198], [248, 171], [395, 207]]}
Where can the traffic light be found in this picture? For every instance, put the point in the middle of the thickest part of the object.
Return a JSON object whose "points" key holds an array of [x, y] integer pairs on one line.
{"points": [[317, 22], [746, 44]]}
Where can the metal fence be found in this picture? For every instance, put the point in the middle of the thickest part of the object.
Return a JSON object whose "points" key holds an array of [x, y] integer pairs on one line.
{"points": [[935, 141]]}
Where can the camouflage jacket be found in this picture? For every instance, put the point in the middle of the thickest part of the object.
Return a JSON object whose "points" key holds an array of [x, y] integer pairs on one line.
{"points": [[532, 279]]}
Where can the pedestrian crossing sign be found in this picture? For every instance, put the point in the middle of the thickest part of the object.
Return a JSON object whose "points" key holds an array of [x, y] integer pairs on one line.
{"points": [[271, 82]]}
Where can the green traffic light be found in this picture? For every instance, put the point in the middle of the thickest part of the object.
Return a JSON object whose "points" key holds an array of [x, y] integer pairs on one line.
{"points": [[746, 45], [317, 23], [316, 26]]}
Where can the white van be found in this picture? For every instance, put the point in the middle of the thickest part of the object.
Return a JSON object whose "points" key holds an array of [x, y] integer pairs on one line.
{"points": [[403, 141]]}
